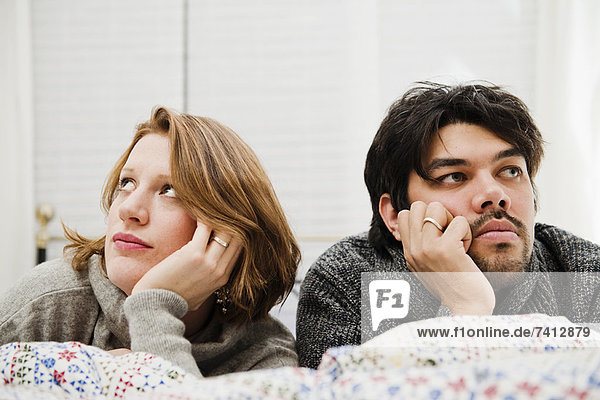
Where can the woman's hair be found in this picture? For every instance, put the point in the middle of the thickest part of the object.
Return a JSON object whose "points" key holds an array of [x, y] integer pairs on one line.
{"points": [[220, 181]]}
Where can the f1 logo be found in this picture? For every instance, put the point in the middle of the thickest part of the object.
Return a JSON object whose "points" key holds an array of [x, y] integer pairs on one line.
{"points": [[389, 300]]}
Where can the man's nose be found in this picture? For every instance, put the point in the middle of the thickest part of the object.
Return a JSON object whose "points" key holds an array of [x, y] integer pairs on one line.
{"points": [[134, 208], [490, 194]]}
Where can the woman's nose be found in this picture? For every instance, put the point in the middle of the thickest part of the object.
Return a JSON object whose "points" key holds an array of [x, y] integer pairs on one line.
{"points": [[134, 208]]}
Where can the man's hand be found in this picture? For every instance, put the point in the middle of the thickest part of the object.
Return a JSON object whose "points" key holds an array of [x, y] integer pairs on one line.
{"points": [[457, 281], [196, 270]]}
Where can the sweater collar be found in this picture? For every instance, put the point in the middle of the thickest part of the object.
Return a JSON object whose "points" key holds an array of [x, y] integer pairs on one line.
{"points": [[110, 298]]}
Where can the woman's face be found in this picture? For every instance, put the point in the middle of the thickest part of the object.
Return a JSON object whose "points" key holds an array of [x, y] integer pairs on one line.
{"points": [[146, 221]]}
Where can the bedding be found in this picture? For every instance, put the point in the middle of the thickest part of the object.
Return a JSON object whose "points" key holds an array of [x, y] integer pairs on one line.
{"points": [[397, 364]]}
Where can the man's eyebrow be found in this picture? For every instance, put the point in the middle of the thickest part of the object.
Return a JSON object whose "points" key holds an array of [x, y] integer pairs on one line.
{"points": [[512, 152], [444, 162], [453, 162]]}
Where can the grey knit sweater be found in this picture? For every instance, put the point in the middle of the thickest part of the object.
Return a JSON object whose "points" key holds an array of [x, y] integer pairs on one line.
{"points": [[55, 303], [329, 309]]}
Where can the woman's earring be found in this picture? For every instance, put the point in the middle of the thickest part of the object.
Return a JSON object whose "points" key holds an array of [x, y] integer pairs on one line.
{"points": [[223, 298]]}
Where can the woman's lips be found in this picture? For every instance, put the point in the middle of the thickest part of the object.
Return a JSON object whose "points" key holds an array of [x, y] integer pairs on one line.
{"points": [[128, 242]]}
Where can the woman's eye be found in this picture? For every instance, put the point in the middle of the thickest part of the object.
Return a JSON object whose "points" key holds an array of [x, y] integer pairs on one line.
{"points": [[126, 184], [511, 172], [168, 191], [452, 178]]}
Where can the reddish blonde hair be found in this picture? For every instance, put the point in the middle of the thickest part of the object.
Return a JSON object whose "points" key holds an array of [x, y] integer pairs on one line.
{"points": [[219, 180]]}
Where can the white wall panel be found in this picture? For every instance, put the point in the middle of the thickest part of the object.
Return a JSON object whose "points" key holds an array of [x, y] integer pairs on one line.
{"points": [[99, 68], [297, 80], [454, 41]]}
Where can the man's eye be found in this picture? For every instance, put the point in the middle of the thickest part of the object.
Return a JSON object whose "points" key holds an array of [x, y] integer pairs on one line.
{"points": [[511, 172], [168, 191], [126, 184], [452, 178]]}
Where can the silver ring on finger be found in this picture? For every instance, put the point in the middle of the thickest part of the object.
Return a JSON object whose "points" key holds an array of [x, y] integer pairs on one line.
{"points": [[220, 241], [434, 222]]}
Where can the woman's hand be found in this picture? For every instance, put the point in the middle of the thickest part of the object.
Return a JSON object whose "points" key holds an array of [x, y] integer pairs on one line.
{"points": [[196, 270]]}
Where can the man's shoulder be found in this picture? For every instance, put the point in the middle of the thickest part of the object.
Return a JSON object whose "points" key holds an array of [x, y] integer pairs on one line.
{"points": [[573, 252], [350, 253], [341, 266]]}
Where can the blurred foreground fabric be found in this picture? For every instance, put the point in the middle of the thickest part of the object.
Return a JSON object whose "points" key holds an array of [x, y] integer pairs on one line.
{"points": [[557, 360]]}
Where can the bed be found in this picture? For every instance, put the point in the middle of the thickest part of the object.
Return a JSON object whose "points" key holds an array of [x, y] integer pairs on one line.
{"points": [[400, 363]]}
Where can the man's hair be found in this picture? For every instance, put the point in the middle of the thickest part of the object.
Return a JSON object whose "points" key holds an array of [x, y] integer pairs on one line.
{"points": [[413, 121], [220, 181]]}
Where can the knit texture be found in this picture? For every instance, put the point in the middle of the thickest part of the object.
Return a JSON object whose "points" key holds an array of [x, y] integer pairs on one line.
{"points": [[159, 308], [329, 308], [55, 303]]}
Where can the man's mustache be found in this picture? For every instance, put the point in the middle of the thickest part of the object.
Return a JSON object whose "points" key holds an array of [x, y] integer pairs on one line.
{"points": [[498, 214]]}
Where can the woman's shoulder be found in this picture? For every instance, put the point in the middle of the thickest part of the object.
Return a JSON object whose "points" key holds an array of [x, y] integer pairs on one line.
{"points": [[263, 343], [270, 343], [51, 277], [278, 343], [265, 331], [51, 302], [270, 330], [57, 274]]}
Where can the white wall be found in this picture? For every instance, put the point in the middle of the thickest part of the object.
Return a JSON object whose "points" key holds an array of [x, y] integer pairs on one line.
{"points": [[17, 245], [99, 68], [567, 106]]}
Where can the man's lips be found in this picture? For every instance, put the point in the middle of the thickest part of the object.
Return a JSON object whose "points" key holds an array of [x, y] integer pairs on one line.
{"points": [[126, 241], [497, 230]]}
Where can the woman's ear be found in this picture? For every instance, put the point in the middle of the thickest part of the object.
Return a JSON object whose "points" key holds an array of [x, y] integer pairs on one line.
{"points": [[389, 215]]}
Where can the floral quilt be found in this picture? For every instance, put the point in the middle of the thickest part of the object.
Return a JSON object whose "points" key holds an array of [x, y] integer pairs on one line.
{"points": [[402, 363]]}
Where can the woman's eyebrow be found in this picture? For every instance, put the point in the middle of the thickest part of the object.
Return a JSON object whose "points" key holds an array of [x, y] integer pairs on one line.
{"points": [[163, 177]]}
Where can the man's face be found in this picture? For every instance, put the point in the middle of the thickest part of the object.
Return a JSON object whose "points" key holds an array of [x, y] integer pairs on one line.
{"points": [[483, 178]]}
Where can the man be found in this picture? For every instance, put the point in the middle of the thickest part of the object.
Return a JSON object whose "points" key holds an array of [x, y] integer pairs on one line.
{"points": [[450, 176]]}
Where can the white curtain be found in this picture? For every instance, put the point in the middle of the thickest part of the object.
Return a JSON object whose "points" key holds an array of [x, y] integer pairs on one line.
{"points": [[17, 246], [568, 113]]}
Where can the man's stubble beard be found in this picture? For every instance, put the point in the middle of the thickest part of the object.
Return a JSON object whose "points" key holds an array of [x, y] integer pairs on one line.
{"points": [[503, 268], [501, 262]]}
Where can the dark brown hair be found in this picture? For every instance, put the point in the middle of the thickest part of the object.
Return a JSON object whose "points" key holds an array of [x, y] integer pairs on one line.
{"points": [[413, 121]]}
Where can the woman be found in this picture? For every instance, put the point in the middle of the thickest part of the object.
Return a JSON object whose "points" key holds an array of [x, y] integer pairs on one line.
{"points": [[197, 251]]}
